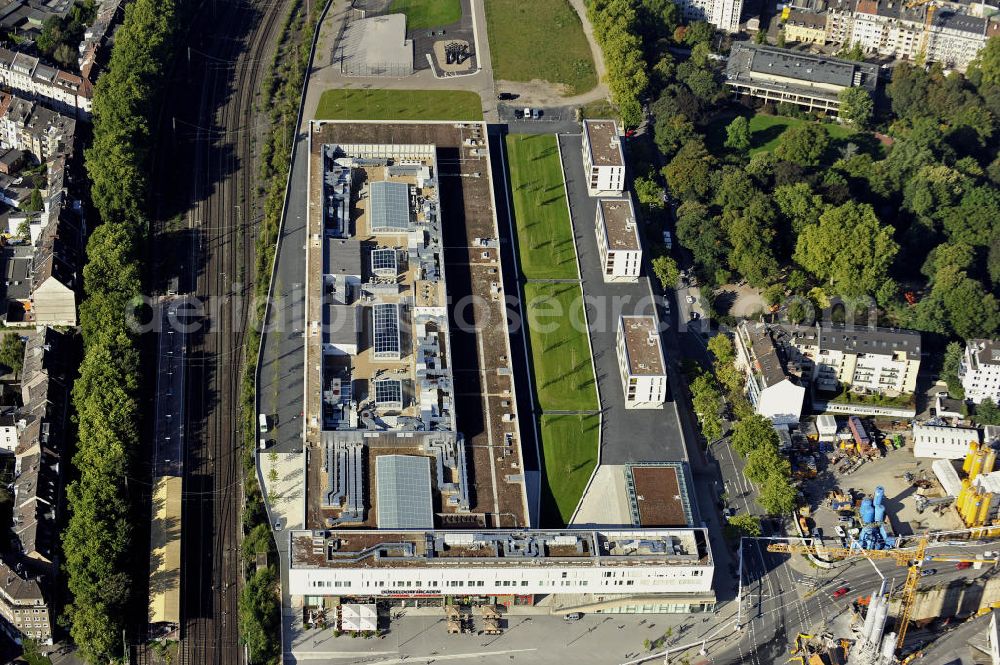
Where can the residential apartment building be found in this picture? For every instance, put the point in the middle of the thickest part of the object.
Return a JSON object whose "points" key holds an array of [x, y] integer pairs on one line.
{"points": [[954, 38], [979, 370], [723, 14], [603, 161], [641, 363], [23, 609], [54, 276], [38, 486], [782, 75], [888, 28], [804, 27], [873, 360], [618, 240], [773, 391], [27, 76], [28, 126]]}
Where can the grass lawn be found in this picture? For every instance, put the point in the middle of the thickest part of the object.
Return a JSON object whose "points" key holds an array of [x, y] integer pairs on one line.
{"points": [[350, 104], [422, 14], [544, 232], [765, 130], [541, 39], [560, 346], [569, 455]]}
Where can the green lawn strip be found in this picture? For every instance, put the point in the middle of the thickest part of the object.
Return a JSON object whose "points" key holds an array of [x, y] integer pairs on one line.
{"points": [[541, 39], [352, 104], [569, 455], [560, 346], [422, 14], [544, 232]]}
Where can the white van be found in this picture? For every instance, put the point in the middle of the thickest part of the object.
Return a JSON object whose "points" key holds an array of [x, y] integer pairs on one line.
{"points": [[262, 421]]}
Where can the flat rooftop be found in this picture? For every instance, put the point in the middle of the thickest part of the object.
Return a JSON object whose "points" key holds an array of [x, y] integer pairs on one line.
{"points": [[620, 229], [416, 201], [424, 548], [658, 495], [758, 62], [642, 345], [605, 145]]}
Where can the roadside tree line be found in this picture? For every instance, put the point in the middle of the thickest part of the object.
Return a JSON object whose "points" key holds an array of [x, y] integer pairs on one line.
{"points": [[97, 541]]}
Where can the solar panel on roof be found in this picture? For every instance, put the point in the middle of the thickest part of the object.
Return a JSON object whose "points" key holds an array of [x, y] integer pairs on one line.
{"points": [[390, 207], [389, 393], [384, 262], [403, 489], [385, 319]]}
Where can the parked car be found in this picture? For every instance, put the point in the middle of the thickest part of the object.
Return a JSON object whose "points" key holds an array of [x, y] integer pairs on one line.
{"points": [[728, 512], [841, 592], [840, 531], [695, 316], [928, 571], [962, 565], [505, 96], [573, 616], [690, 300]]}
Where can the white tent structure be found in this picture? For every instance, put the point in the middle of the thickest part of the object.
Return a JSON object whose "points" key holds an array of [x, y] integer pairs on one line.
{"points": [[358, 617]]}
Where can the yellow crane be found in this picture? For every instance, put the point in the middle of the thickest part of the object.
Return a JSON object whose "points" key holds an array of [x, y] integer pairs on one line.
{"points": [[798, 642], [913, 558]]}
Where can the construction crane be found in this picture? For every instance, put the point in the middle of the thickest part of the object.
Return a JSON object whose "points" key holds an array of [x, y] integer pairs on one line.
{"points": [[912, 558]]}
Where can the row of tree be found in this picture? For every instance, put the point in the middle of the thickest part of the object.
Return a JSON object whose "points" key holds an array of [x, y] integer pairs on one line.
{"points": [[97, 542]]}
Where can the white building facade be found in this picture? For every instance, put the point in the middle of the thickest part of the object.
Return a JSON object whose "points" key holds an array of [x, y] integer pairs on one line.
{"points": [[979, 370], [723, 14], [603, 160], [618, 240], [772, 393], [641, 363], [940, 442], [603, 567]]}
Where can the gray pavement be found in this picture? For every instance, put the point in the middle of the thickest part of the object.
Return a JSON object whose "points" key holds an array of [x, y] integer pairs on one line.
{"points": [[627, 435]]}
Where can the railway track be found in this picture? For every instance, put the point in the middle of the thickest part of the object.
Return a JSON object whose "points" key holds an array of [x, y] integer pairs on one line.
{"points": [[207, 216]]}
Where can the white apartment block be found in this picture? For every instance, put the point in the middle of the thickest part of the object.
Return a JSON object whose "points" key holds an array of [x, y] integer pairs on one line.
{"points": [[618, 240], [641, 363], [876, 360], [954, 39], [603, 161], [980, 370], [723, 14], [773, 393]]}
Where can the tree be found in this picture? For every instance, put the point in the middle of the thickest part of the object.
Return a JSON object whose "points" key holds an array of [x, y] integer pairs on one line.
{"points": [[949, 370], [738, 134], [666, 271], [803, 144], [777, 495], [760, 37], [988, 413], [986, 66], [649, 193], [781, 39], [752, 433], [746, 524], [670, 133], [688, 172], [849, 248], [697, 32], [853, 53], [34, 202], [751, 235], [856, 106], [707, 402], [259, 615], [12, 353], [799, 205]]}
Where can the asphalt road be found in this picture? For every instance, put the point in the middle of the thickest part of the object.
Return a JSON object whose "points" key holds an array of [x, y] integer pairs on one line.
{"points": [[207, 212]]}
